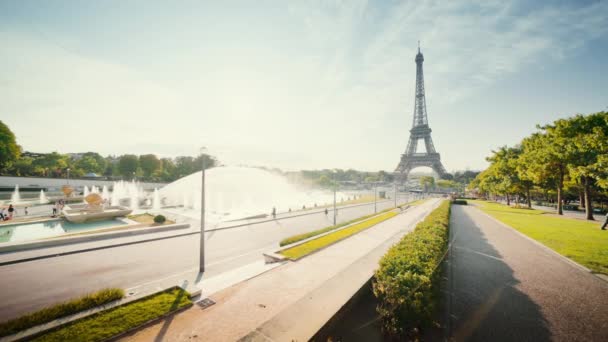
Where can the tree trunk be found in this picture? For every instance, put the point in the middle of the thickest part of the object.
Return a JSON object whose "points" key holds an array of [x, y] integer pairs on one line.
{"points": [[508, 199], [588, 206], [528, 199], [581, 197], [560, 185]]}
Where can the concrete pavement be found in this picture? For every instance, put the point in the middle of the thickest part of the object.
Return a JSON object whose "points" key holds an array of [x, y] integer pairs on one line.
{"points": [[32, 285], [291, 302], [504, 287]]}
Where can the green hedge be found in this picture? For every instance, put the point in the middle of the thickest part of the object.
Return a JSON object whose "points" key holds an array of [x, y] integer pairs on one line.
{"points": [[407, 281], [60, 310]]}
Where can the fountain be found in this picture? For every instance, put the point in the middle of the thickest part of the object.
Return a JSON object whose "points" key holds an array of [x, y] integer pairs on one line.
{"points": [[42, 198], [15, 196], [238, 192], [156, 200], [93, 209], [85, 191], [105, 194]]}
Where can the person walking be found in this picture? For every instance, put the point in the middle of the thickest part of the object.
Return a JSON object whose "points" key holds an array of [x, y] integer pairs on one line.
{"points": [[1, 214], [274, 212], [605, 223], [55, 209], [326, 211], [11, 211], [25, 211]]}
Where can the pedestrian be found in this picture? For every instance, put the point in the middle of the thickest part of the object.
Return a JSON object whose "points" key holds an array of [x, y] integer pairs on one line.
{"points": [[11, 211], [605, 223], [25, 210], [2, 214], [274, 212], [326, 211], [55, 209]]}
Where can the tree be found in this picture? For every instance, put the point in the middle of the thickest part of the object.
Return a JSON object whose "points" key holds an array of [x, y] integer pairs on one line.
{"points": [[88, 164], [149, 164], [9, 150], [586, 136], [127, 165], [546, 158], [427, 182]]}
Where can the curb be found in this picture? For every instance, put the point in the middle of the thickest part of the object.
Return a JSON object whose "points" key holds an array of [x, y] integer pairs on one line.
{"points": [[599, 276]]}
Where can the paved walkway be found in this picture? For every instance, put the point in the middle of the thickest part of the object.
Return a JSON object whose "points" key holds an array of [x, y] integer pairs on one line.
{"points": [[293, 301], [504, 287]]}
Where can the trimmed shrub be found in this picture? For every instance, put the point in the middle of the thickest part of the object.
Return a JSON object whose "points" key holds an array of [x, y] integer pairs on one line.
{"points": [[407, 281], [159, 219], [459, 201], [60, 310]]}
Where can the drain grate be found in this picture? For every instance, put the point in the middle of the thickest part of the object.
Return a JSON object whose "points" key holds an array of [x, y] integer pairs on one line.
{"points": [[205, 303]]}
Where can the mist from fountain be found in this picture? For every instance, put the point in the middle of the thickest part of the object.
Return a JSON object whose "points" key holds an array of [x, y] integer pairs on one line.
{"points": [[156, 200], [85, 191], [15, 196], [237, 192], [105, 194], [42, 198]]}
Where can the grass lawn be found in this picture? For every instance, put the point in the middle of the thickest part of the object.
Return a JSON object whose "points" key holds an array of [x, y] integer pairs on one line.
{"points": [[103, 325], [579, 240], [325, 240], [60, 310], [418, 202]]}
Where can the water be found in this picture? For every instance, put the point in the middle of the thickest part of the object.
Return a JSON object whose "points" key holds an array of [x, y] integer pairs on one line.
{"points": [[42, 198], [15, 196], [238, 192], [40, 230], [105, 194], [85, 191], [156, 200]]}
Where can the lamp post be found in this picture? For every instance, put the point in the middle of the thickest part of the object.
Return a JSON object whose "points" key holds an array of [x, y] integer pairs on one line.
{"points": [[202, 248], [335, 186], [375, 197], [68, 175], [395, 183]]}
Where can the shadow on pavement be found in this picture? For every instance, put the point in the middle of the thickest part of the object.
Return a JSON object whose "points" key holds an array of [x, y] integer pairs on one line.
{"points": [[483, 303]]}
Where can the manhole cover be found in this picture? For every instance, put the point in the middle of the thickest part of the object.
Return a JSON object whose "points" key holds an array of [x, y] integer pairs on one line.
{"points": [[205, 303]]}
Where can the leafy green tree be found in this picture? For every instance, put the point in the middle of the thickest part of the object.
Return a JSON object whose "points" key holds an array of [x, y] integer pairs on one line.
{"points": [[427, 182], [546, 158], [22, 167], [127, 165], [149, 164], [88, 164], [9, 150]]}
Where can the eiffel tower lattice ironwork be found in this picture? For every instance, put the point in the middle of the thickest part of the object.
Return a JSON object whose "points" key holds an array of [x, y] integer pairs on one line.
{"points": [[420, 130]]}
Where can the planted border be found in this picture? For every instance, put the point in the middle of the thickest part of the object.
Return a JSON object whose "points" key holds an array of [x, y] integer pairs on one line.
{"points": [[407, 281], [304, 236], [311, 246], [60, 310], [116, 321]]}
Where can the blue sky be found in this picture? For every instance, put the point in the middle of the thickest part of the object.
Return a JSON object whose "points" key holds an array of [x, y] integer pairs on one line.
{"points": [[295, 84]]}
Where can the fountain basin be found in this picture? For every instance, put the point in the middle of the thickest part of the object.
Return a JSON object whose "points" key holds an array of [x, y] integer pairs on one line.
{"points": [[81, 213]]}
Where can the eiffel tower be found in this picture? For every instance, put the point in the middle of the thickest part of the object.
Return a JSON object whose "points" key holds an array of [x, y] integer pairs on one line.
{"points": [[420, 130]]}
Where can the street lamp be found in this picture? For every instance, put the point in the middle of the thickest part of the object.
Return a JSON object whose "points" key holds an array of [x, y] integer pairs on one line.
{"points": [[68, 175], [202, 249], [395, 184], [375, 197], [335, 186]]}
